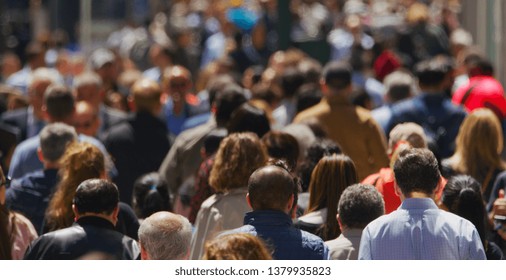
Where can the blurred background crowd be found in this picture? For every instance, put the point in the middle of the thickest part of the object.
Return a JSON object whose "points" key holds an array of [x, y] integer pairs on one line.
{"points": [[273, 52]]}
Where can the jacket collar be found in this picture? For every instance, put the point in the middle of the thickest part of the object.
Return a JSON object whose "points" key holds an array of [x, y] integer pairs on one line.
{"points": [[267, 217], [95, 221]]}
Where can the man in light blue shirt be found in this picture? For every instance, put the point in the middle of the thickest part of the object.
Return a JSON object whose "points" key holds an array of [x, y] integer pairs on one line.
{"points": [[419, 230]]}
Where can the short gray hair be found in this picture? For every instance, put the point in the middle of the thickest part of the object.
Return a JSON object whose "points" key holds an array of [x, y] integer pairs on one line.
{"points": [[54, 139], [399, 85], [359, 205], [87, 78], [44, 74], [165, 236]]}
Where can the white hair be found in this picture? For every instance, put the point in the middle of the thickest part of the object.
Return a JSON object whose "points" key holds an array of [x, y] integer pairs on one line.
{"points": [[45, 74], [87, 78], [165, 236]]}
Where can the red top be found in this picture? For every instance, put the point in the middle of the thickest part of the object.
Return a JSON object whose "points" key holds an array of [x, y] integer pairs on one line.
{"points": [[484, 92]]}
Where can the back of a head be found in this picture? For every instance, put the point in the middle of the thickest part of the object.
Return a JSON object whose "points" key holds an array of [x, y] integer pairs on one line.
{"points": [[146, 95], [319, 149], [248, 118], [238, 156], [480, 67], [416, 170], [337, 75], [407, 132], [227, 101], [359, 205], [54, 139], [480, 140], [82, 161], [307, 96], [44, 74], [165, 236], [237, 246], [291, 80], [59, 102], [311, 70], [87, 78], [281, 145], [150, 195], [330, 177], [270, 188], [462, 196], [432, 72], [217, 83], [96, 196], [399, 85]]}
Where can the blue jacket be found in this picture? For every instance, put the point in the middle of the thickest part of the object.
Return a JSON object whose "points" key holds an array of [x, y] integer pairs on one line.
{"points": [[438, 116], [30, 194], [288, 242]]}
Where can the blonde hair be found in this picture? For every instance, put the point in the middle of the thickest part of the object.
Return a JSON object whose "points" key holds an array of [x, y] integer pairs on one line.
{"points": [[479, 144], [81, 161], [238, 156], [237, 246]]}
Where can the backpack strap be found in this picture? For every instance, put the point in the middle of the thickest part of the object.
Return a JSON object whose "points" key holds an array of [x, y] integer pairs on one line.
{"points": [[467, 94]]}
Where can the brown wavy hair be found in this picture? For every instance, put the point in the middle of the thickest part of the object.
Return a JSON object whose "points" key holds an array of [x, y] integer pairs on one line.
{"points": [[238, 156], [478, 145], [81, 161], [237, 246], [330, 177]]}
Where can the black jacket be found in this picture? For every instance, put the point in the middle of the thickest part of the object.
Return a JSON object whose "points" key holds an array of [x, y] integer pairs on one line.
{"points": [[137, 146], [88, 235]]}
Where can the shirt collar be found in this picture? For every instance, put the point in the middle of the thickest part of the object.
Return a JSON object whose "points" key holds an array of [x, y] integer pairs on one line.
{"points": [[418, 203]]}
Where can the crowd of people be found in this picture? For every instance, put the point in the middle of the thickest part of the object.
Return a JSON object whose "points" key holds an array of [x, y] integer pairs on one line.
{"points": [[378, 135]]}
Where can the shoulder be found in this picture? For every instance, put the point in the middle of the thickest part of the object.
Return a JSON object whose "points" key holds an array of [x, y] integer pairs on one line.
{"points": [[29, 145], [15, 115], [314, 111], [113, 112]]}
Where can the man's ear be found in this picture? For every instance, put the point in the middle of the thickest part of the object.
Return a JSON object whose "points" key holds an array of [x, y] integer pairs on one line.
{"points": [[248, 200], [339, 222], [115, 213], [144, 254], [323, 86], [39, 154], [76, 214], [398, 191], [131, 104], [289, 204]]}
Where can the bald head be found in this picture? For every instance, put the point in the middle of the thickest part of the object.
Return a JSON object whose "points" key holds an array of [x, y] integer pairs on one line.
{"points": [[145, 94], [165, 236], [270, 188]]}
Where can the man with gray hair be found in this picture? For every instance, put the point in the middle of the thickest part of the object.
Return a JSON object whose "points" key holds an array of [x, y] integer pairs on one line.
{"points": [[358, 206], [165, 236], [29, 195]]}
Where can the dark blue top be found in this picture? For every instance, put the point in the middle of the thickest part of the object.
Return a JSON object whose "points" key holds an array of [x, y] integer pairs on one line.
{"points": [[438, 116], [30, 194], [288, 242]]}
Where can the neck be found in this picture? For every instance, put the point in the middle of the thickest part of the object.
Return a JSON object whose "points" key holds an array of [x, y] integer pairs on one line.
{"points": [[417, 194], [51, 165]]}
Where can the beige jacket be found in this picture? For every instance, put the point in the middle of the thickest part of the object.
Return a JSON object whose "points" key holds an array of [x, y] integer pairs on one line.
{"points": [[353, 128], [218, 213]]}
